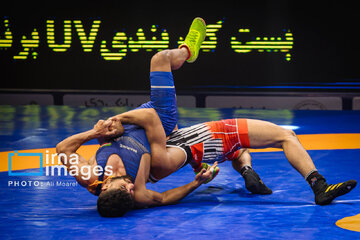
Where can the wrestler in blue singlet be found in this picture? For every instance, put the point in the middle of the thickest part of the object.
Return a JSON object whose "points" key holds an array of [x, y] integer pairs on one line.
{"points": [[133, 143]]}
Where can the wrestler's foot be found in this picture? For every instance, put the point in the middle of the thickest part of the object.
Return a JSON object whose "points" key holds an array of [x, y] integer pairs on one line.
{"points": [[215, 171], [253, 183], [194, 38], [325, 193]]}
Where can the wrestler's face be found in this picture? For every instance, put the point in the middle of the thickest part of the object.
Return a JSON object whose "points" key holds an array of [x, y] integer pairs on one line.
{"points": [[122, 182]]}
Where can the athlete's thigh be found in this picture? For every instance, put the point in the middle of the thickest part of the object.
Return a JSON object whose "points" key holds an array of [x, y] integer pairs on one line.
{"points": [[264, 134]]}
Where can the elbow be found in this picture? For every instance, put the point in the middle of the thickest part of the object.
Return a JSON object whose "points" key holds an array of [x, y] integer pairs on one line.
{"points": [[167, 200], [161, 200], [59, 148]]}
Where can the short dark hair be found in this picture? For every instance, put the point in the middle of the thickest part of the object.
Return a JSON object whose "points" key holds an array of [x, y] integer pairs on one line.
{"points": [[114, 203]]}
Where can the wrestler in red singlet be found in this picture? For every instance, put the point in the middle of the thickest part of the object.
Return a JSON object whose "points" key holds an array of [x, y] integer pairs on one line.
{"points": [[212, 141]]}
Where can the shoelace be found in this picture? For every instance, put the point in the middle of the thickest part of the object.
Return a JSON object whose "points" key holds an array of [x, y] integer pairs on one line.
{"points": [[193, 36]]}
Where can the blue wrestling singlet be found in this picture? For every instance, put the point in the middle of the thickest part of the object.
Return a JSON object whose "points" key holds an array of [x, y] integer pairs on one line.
{"points": [[129, 147], [163, 99]]}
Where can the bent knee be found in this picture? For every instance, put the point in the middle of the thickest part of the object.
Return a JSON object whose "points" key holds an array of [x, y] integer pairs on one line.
{"points": [[243, 151], [160, 58], [289, 135]]}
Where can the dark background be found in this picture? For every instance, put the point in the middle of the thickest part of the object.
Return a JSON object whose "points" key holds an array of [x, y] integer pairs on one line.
{"points": [[324, 52]]}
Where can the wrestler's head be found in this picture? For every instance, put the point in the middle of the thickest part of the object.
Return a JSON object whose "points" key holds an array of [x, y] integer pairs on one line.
{"points": [[116, 197]]}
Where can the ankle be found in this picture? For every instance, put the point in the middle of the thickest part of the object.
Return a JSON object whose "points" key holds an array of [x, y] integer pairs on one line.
{"points": [[185, 50], [316, 181], [313, 177], [244, 168]]}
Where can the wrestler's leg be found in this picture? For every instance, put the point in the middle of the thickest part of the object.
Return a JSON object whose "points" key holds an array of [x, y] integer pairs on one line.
{"points": [[168, 60], [243, 160], [265, 134], [163, 100], [253, 183], [163, 96]]}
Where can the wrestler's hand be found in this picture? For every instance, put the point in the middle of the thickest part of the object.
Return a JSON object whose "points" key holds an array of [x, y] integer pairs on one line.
{"points": [[116, 126], [114, 118], [103, 129], [207, 175]]}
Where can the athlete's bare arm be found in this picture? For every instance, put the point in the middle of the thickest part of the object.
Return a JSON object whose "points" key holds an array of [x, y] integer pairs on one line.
{"points": [[148, 119], [151, 198], [148, 198], [70, 145]]}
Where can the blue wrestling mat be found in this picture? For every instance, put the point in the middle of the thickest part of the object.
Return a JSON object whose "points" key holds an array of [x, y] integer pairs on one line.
{"points": [[56, 207]]}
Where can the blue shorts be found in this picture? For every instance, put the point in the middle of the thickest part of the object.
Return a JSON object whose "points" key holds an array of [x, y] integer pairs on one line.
{"points": [[163, 99]]}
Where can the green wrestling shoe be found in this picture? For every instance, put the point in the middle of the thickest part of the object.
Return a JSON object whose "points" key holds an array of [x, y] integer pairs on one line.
{"points": [[206, 166], [194, 38]]}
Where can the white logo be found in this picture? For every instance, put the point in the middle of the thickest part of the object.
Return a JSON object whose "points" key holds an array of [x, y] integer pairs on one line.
{"points": [[128, 148]]}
